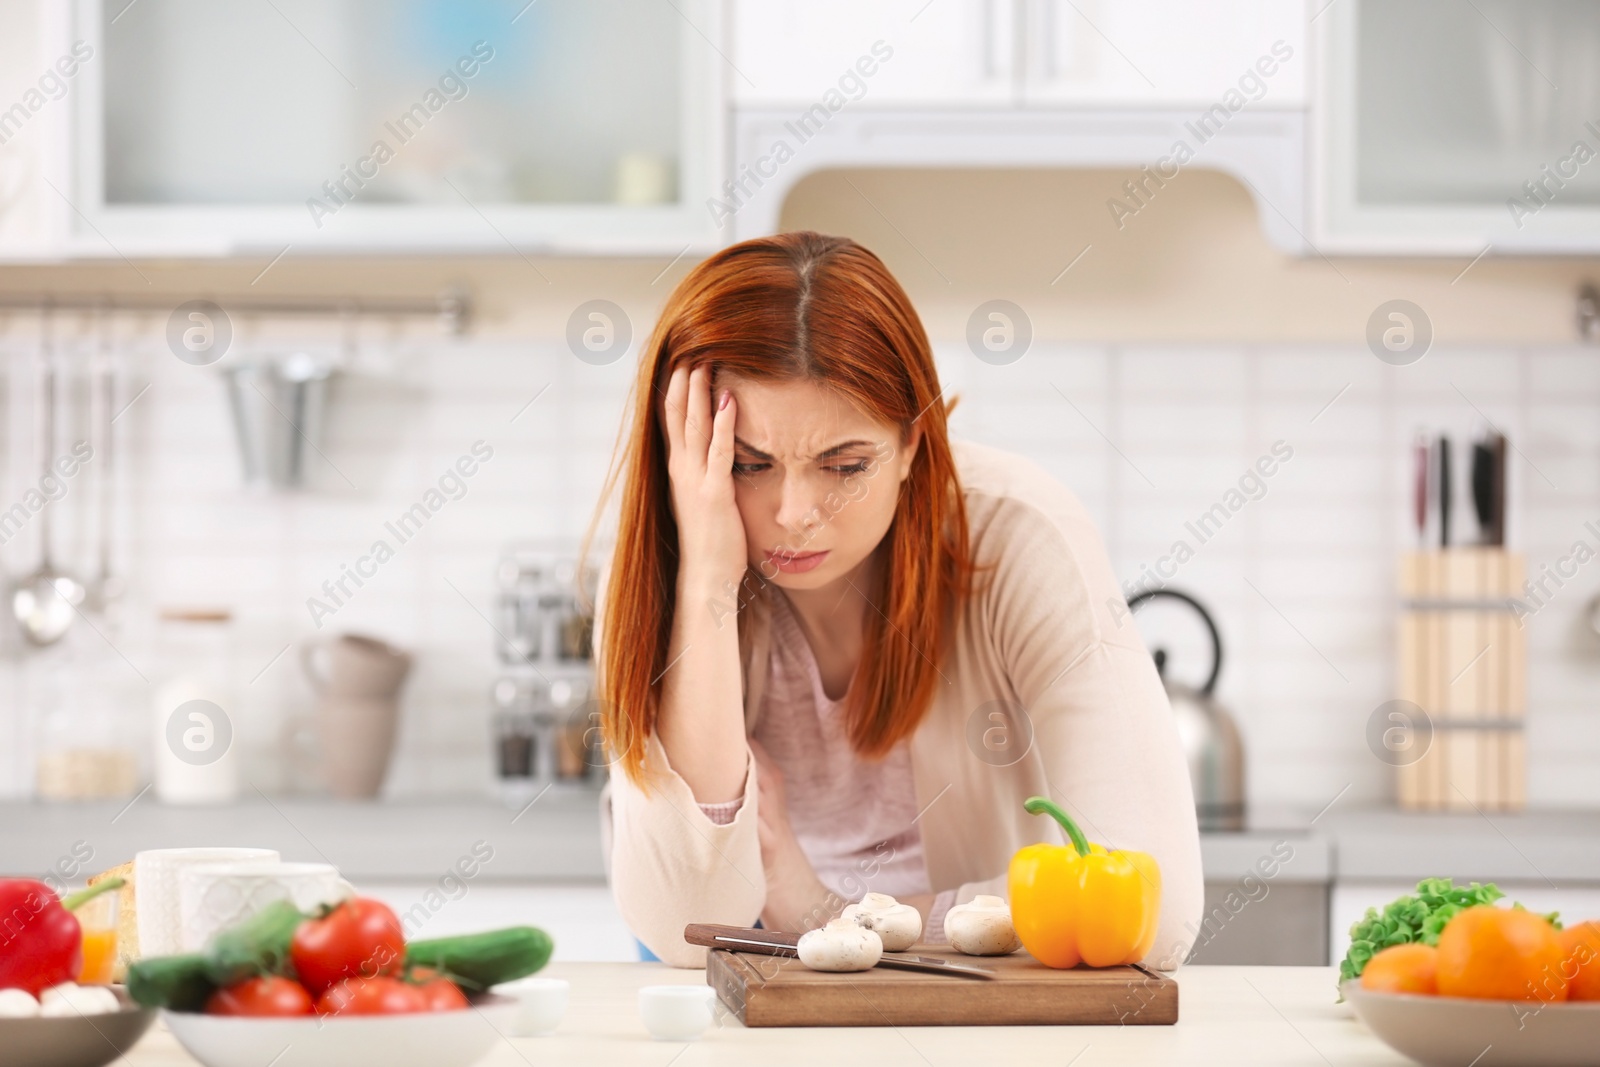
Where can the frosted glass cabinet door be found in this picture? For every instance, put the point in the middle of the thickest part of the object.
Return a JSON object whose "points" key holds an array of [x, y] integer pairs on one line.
{"points": [[396, 122], [1464, 125]]}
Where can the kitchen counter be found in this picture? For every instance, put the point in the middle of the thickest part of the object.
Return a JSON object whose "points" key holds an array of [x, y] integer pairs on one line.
{"points": [[557, 839], [554, 839], [1278, 1016]]}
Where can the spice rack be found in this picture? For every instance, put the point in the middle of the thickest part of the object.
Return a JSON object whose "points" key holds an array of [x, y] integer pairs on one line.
{"points": [[1463, 661], [545, 713]]}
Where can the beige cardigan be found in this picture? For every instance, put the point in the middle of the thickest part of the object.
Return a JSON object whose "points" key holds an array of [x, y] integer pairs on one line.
{"points": [[1050, 633]]}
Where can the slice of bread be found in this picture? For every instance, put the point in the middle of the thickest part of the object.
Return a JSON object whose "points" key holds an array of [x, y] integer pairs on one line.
{"points": [[127, 919]]}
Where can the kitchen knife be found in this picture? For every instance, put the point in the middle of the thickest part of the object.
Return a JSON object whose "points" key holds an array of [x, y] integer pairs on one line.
{"points": [[1497, 445], [1444, 491], [781, 943], [1483, 489], [1419, 487]]}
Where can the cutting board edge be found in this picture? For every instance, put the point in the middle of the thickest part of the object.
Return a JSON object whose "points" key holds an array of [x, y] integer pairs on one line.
{"points": [[812, 1005]]}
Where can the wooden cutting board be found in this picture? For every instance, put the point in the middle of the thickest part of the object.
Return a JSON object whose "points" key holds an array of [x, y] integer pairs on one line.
{"points": [[778, 991]]}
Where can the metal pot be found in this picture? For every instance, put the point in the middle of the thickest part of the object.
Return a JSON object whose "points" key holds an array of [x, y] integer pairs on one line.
{"points": [[1207, 730]]}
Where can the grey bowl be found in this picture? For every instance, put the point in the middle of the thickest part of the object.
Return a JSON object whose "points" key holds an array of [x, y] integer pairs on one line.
{"points": [[1456, 1031], [81, 1041]]}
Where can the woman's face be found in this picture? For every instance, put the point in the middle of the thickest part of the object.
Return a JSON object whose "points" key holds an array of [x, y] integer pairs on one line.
{"points": [[816, 480]]}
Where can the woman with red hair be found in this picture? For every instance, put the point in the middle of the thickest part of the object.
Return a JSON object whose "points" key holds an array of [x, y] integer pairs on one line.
{"points": [[836, 651]]}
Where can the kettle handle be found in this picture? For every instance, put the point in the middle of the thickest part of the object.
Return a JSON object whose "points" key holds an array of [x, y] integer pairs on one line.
{"points": [[1205, 616]]}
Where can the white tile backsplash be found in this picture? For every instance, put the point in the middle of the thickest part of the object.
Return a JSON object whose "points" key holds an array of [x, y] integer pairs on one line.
{"points": [[1301, 580]]}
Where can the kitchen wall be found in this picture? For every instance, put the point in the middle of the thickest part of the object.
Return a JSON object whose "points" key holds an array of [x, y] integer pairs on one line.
{"points": [[1165, 362]]}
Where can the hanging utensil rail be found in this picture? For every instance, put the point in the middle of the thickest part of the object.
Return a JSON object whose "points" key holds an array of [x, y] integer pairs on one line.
{"points": [[453, 308]]}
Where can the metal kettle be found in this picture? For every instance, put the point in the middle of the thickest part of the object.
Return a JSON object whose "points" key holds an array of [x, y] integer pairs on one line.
{"points": [[1207, 730]]}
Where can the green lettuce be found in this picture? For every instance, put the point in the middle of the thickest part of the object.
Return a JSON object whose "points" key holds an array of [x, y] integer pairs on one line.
{"points": [[1421, 917]]}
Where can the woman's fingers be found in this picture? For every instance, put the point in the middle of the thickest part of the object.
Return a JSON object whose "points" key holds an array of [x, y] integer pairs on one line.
{"points": [[673, 410], [697, 423], [720, 459]]}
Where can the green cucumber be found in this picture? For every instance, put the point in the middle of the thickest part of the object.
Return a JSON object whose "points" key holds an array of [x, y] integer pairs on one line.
{"points": [[258, 945], [479, 961], [181, 983]]}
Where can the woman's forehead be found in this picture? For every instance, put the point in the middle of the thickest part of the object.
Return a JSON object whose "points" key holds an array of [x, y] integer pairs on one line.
{"points": [[798, 419]]}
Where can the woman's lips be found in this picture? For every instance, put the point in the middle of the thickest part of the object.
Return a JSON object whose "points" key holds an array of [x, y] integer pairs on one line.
{"points": [[795, 562]]}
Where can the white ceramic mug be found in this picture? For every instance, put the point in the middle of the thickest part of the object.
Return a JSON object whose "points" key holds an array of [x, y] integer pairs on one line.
{"points": [[158, 909], [215, 896], [676, 1012]]}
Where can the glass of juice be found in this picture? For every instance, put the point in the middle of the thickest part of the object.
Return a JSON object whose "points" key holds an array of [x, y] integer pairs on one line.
{"points": [[98, 920]]}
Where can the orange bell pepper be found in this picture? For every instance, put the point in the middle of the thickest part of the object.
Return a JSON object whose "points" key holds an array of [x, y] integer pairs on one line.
{"points": [[1083, 903]]}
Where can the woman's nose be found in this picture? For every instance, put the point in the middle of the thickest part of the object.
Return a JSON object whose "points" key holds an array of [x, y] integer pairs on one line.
{"points": [[797, 506]]}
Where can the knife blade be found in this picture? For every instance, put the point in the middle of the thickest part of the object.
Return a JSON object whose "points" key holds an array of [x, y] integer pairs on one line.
{"points": [[1483, 489], [1444, 491], [782, 943]]}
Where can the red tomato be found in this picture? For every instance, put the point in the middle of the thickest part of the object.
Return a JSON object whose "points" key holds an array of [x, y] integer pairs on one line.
{"points": [[269, 995], [358, 939], [371, 996], [441, 994]]}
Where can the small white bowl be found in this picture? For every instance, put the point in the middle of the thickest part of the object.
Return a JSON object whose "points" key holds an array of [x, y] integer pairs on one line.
{"points": [[541, 1002], [676, 1012]]}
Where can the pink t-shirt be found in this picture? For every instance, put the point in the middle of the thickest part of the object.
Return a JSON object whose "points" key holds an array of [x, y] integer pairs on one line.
{"points": [[854, 818]]}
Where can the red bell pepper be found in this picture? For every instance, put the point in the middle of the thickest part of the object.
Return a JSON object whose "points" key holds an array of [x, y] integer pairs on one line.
{"points": [[41, 943]]}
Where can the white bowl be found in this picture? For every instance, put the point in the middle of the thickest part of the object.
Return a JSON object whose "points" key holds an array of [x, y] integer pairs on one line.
{"points": [[676, 1012], [541, 1003], [423, 1039], [1455, 1031]]}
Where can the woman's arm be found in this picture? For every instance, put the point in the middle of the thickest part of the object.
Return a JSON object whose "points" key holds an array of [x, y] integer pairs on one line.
{"points": [[1101, 721], [701, 720]]}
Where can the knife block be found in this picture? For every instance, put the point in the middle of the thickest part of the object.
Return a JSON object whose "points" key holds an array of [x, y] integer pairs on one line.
{"points": [[1463, 660]]}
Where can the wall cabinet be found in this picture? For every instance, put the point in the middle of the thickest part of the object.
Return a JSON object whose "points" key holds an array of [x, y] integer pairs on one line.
{"points": [[372, 125], [985, 53], [1456, 128]]}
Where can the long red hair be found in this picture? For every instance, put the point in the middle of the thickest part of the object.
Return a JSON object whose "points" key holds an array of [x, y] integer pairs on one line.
{"points": [[796, 306]]}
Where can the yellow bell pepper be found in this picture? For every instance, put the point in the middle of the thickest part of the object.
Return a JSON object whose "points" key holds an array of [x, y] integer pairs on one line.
{"points": [[1082, 903]]}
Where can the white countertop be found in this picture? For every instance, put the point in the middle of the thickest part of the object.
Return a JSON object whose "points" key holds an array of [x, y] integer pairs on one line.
{"points": [[1238, 1016]]}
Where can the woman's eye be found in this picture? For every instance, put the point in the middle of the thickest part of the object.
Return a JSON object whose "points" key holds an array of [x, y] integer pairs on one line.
{"points": [[858, 467], [750, 468]]}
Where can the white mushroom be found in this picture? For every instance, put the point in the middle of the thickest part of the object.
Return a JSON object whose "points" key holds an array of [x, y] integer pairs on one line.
{"points": [[69, 1000], [17, 1004], [899, 925], [981, 927], [840, 946]]}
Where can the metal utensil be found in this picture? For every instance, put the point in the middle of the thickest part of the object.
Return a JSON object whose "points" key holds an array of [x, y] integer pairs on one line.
{"points": [[104, 588], [45, 601], [1444, 491], [781, 943]]}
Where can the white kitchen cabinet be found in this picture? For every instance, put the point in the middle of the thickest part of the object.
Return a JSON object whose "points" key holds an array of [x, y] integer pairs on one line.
{"points": [[974, 53], [948, 53], [1453, 128], [1164, 53], [582, 920], [314, 126]]}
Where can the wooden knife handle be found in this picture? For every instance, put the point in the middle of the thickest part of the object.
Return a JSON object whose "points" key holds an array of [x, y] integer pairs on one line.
{"points": [[772, 942]]}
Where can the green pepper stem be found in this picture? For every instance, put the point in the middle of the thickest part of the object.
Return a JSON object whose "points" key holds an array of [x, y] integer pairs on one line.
{"points": [[72, 900], [1035, 805]]}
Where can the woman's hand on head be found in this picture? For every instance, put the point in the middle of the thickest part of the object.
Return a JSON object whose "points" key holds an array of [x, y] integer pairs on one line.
{"points": [[711, 541]]}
